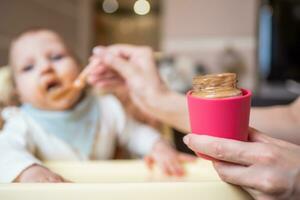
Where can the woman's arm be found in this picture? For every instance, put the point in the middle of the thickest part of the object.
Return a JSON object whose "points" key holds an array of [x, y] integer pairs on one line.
{"points": [[137, 67], [170, 108], [281, 122]]}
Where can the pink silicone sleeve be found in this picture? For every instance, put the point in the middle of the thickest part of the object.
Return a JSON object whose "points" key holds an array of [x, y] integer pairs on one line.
{"points": [[224, 117]]}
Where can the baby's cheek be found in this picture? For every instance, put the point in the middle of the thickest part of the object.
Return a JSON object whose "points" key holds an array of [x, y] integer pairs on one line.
{"points": [[70, 71], [24, 84], [30, 94]]}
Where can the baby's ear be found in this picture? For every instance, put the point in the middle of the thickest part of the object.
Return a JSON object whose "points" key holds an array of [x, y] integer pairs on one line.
{"points": [[7, 90], [8, 94]]}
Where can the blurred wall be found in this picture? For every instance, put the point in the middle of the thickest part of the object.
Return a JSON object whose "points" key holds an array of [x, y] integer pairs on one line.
{"points": [[71, 18], [202, 29]]}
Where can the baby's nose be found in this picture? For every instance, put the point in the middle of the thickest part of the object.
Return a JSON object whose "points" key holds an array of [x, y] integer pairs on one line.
{"points": [[46, 67]]}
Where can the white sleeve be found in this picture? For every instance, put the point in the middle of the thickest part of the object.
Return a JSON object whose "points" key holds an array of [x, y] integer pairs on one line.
{"points": [[139, 138], [15, 149]]}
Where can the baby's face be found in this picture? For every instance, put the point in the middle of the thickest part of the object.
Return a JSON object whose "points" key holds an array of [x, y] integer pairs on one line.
{"points": [[42, 64]]}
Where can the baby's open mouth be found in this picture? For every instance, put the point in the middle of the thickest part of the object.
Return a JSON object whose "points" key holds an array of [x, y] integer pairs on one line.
{"points": [[56, 90], [53, 86]]}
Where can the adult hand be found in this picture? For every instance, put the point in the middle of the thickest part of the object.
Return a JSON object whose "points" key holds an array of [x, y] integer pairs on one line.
{"points": [[136, 65], [267, 168], [102, 76]]}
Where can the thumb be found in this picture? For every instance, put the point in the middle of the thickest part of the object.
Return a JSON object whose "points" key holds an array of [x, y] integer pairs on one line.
{"points": [[121, 65]]}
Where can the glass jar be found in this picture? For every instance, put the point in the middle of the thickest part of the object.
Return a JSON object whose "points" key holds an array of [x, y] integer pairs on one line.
{"points": [[216, 86]]}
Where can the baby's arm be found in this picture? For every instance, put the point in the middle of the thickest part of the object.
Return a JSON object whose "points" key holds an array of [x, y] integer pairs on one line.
{"points": [[17, 162], [138, 138], [144, 140], [38, 173], [282, 122]]}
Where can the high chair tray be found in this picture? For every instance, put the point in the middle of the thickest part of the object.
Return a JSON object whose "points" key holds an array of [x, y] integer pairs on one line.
{"points": [[122, 180]]}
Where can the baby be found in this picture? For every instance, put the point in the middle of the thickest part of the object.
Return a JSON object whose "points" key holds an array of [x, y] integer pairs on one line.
{"points": [[78, 127]]}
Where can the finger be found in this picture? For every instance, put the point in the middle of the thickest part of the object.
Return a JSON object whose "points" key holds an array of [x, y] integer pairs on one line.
{"points": [[239, 152], [131, 52], [164, 167], [236, 174], [99, 50], [109, 74], [120, 65], [95, 57], [83, 76], [175, 167], [92, 66], [256, 194], [124, 50], [96, 65], [98, 70], [183, 157], [101, 74], [91, 58], [92, 80], [109, 83], [256, 136], [149, 161], [96, 79], [167, 168], [104, 75], [261, 179], [179, 169]]}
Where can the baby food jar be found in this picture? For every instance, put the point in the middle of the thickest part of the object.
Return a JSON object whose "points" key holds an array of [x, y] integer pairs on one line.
{"points": [[218, 108]]}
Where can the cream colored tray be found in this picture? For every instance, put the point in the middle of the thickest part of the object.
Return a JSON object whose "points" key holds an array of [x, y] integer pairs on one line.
{"points": [[122, 180]]}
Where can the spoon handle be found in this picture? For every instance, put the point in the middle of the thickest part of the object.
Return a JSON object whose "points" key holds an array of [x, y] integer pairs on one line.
{"points": [[80, 81]]}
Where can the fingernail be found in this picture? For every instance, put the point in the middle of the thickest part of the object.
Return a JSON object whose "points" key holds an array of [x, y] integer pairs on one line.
{"points": [[186, 140], [98, 50]]}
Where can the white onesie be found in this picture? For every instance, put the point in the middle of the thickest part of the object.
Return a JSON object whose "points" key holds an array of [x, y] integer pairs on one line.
{"points": [[24, 142]]}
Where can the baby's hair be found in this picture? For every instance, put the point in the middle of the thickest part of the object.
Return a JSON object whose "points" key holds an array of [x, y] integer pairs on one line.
{"points": [[36, 30], [27, 30]]}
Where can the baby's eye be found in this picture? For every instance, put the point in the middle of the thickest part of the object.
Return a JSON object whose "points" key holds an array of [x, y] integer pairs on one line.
{"points": [[57, 57], [27, 68]]}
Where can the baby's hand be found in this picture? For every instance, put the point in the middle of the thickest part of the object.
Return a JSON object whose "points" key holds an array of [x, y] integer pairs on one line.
{"points": [[168, 159], [38, 173]]}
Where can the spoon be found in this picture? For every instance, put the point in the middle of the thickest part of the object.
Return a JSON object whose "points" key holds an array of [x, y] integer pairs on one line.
{"points": [[77, 85], [80, 82]]}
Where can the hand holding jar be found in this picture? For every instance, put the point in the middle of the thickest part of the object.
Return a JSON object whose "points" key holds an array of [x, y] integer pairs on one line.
{"points": [[265, 167]]}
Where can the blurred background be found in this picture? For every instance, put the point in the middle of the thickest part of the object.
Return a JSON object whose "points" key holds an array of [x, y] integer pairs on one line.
{"points": [[257, 39]]}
